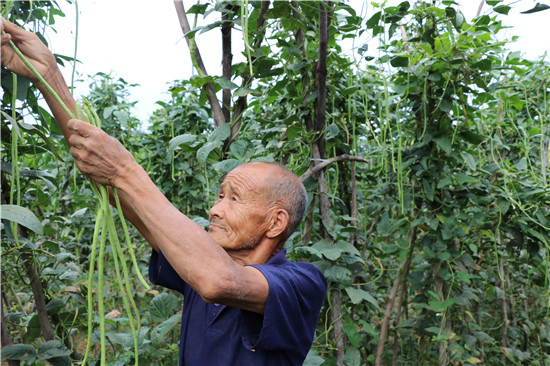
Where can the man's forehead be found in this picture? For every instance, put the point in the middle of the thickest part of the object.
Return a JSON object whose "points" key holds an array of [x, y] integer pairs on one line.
{"points": [[244, 177]]}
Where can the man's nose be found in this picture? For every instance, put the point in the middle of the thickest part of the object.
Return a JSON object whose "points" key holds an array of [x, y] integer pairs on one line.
{"points": [[217, 209]]}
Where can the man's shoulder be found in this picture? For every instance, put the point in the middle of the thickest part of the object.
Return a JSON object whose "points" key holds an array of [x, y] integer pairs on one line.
{"points": [[298, 274], [281, 261]]}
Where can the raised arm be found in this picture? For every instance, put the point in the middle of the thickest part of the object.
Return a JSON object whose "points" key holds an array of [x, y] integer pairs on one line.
{"points": [[44, 62], [196, 257]]}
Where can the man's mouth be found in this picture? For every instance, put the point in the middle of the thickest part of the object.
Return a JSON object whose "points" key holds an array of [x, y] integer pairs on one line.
{"points": [[214, 226]]}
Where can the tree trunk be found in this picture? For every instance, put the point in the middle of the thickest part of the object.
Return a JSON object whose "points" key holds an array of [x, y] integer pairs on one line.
{"points": [[400, 301], [353, 204], [403, 272], [6, 339], [503, 301], [227, 59], [38, 292]]}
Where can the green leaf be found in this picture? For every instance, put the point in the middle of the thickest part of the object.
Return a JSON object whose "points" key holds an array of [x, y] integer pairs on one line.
{"points": [[357, 296], [21, 352], [108, 111], [330, 252], [351, 331], [163, 306], [437, 305], [52, 349], [206, 149], [163, 328], [221, 133], [522, 164], [225, 166], [444, 182], [538, 7], [308, 252], [462, 179], [55, 305], [238, 149], [198, 9], [447, 230], [428, 189], [338, 274], [22, 216], [242, 92], [352, 357], [400, 61], [347, 247], [332, 131], [313, 359], [226, 84], [484, 64], [444, 143], [33, 129], [469, 160], [384, 227], [179, 140], [122, 117], [374, 20], [502, 9], [199, 82], [464, 276], [126, 340]]}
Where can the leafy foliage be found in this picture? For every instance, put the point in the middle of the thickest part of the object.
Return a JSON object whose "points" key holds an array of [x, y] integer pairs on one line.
{"points": [[430, 219]]}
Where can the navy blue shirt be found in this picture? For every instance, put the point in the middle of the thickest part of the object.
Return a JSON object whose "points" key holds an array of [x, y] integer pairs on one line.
{"points": [[218, 335]]}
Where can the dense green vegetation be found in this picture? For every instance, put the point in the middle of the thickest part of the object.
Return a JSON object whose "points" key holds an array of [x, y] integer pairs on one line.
{"points": [[426, 168]]}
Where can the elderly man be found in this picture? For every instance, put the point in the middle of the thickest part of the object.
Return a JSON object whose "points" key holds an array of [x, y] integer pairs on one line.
{"points": [[244, 302]]}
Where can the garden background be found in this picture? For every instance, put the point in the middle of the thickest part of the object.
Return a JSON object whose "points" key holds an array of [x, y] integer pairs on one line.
{"points": [[426, 166]]}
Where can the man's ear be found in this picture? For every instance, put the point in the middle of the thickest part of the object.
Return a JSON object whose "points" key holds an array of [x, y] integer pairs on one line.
{"points": [[280, 220]]}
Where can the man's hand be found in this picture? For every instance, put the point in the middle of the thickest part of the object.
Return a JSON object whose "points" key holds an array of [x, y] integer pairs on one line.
{"points": [[97, 155], [31, 46]]}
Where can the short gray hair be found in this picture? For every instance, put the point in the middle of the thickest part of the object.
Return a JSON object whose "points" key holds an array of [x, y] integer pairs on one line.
{"points": [[287, 191]]}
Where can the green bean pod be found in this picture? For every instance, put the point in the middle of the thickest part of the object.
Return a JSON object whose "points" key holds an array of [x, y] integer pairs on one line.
{"points": [[98, 223]]}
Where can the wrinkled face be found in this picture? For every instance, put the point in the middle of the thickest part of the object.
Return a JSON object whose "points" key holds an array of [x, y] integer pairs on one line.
{"points": [[238, 218]]}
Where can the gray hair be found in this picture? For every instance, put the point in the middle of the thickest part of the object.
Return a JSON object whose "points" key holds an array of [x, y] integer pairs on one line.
{"points": [[285, 190]]}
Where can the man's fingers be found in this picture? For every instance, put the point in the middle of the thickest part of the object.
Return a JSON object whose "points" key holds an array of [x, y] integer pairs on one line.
{"points": [[80, 127], [12, 28]]}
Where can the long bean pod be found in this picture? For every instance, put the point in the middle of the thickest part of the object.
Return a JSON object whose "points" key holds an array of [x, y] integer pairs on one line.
{"points": [[104, 228], [98, 222], [100, 272], [126, 295]]}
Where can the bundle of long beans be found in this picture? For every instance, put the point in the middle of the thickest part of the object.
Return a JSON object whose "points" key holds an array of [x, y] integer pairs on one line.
{"points": [[104, 230]]}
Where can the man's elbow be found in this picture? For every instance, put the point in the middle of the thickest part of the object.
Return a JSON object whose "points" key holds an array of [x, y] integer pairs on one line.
{"points": [[214, 291]]}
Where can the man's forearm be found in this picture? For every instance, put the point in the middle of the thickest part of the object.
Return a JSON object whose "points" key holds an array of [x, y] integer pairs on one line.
{"points": [[57, 82]]}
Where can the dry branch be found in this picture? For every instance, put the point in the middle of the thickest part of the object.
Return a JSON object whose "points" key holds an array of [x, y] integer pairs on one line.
{"points": [[316, 168], [217, 112]]}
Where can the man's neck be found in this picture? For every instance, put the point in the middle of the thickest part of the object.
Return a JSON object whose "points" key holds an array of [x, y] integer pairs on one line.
{"points": [[260, 254]]}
